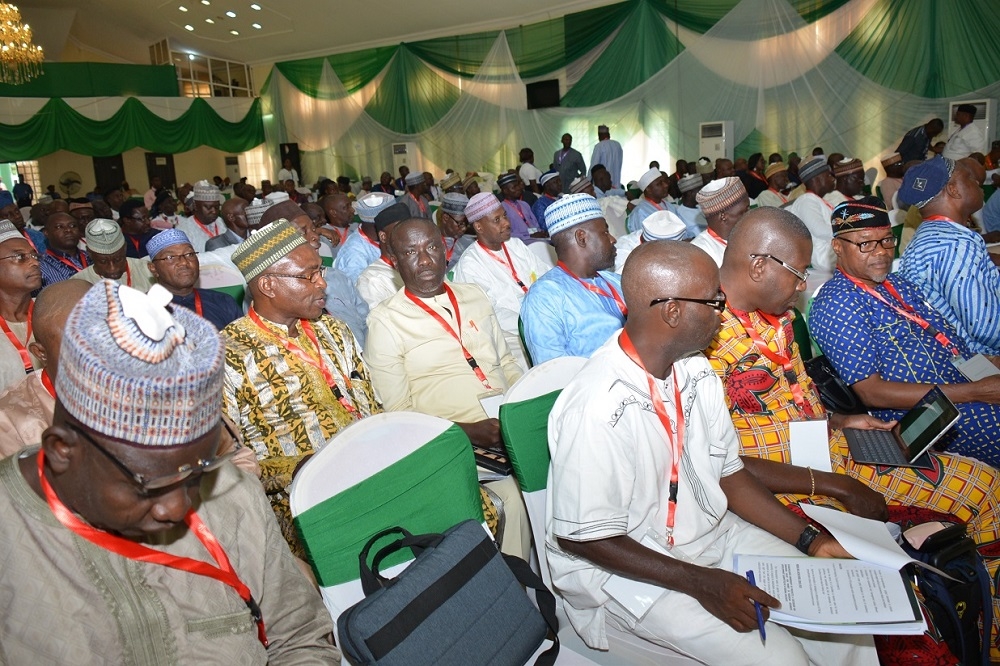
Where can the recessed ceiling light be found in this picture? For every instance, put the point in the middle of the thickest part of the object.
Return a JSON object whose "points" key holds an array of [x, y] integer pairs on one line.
{"points": [[231, 14], [234, 32], [256, 26], [205, 2], [255, 6], [189, 27], [209, 21], [183, 8]]}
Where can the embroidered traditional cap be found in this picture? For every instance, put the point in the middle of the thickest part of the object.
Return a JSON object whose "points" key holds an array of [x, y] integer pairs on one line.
{"points": [[287, 210], [391, 215], [136, 372], [547, 176], [414, 178], [647, 178], [104, 236], [854, 214], [278, 196], [255, 210], [580, 185], [481, 205], [663, 225], [814, 167], [891, 160], [848, 165], [45, 199], [704, 166], [507, 179], [571, 210], [74, 205], [469, 180], [205, 191], [265, 246], [720, 194], [776, 167], [450, 181], [8, 231], [164, 239], [454, 204], [690, 182], [370, 205], [924, 181]]}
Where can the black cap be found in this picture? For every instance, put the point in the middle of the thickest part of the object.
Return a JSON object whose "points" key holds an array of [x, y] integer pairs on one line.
{"points": [[397, 212]]}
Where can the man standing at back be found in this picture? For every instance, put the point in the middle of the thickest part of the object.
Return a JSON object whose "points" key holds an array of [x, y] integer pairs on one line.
{"points": [[609, 153], [569, 162]]}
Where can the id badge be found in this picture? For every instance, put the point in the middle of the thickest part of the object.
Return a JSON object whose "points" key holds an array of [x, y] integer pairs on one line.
{"points": [[491, 401]]}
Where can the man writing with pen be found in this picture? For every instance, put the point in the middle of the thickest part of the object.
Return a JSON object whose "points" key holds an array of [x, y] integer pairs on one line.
{"points": [[646, 484]]}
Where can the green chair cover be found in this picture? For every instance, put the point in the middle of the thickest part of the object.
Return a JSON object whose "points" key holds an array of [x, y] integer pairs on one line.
{"points": [[524, 427]]}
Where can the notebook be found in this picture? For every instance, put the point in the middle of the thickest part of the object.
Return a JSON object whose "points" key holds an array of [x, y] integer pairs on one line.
{"points": [[907, 443]]}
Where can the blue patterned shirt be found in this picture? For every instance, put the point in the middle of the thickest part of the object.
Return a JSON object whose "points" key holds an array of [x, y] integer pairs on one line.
{"points": [[952, 267], [54, 270]]}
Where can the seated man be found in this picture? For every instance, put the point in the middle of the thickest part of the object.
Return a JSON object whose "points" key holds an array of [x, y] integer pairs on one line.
{"points": [[946, 260], [339, 217], [687, 207], [434, 349], [894, 170], [653, 185], [574, 308], [133, 216], [661, 225], [133, 450], [106, 250], [174, 264], [766, 387], [63, 259], [523, 224], [724, 202], [551, 190], [453, 224], [20, 276], [26, 407], [850, 176], [814, 211], [612, 455], [204, 223], [10, 211], [381, 280], [234, 215], [414, 199], [872, 326], [294, 375], [361, 247], [503, 266], [777, 180]]}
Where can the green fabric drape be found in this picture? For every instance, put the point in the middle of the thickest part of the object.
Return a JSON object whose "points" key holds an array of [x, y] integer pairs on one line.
{"points": [[411, 97], [458, 54], [524, 426], [94, 79], [355, 70], [429, 490], [941, 49], [702, 15], [58, 127], [542, 48], [641, 48]]}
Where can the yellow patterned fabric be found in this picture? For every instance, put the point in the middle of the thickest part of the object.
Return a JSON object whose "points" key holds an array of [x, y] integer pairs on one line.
{"points": [[760, 402], [283, 405]]}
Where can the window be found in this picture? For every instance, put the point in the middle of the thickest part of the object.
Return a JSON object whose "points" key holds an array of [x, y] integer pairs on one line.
{"points": [[200, 76], [31, 177]]}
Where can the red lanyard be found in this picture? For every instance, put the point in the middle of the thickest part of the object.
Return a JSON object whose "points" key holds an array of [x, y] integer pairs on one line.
{"points": [[449, 252], [197, 303], [387, 262], [208, 232], [657, 206], [711, 232], [825, 202], [509, 265], [135, 241], [784, 360], [128, 274], [224, 573], [22, 350], [781, 196], [420, 204], [451, 331], [517, 208], [758, 176], [906, 311], [940, 218], [370, 241], [30, 242], [342, 234], [47, 383], [676, 441], [301, 354], [593, 288], [65, 260]]}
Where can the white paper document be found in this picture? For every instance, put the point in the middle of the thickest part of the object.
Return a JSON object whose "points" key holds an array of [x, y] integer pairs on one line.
{"points": [[976, 368], [810, 444]]}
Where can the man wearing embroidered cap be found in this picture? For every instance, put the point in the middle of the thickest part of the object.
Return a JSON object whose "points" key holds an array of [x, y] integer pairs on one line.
{"points": [[174, 264], [501, 265], [948, 261], [582, 185], [576, 306], [777, 180], [453, 224], [361, 247], [661, 225], [812, 208], [106, 252], [452, 182], [205, 222], [380, 280], [653, 185], [131, 462], [294, 375], [687, 208], [523, 224], [416, 188], [20, 275], [551, 190], [724, 202], [850, 176]]}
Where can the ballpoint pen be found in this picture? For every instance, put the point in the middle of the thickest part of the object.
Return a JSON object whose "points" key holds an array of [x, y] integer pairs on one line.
{"points": [[756, 607]]}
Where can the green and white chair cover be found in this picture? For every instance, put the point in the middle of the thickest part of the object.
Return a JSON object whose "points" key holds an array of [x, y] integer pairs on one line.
{"points": [[398, 468]]}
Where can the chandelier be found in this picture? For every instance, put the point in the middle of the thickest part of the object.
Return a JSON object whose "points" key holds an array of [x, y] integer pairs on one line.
{"points": [[20, 60]]}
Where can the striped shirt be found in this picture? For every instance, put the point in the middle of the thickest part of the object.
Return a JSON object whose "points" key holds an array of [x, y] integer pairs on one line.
{"points": [[952, 267]]}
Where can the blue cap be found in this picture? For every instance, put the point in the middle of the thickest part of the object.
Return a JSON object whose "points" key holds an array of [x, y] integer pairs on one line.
{"points": [[164, 239], [571, 210], [925, 181]]}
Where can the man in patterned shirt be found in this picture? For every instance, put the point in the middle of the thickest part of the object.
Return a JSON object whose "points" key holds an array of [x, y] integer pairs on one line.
{"points": [[294, 375], [767, 387]]}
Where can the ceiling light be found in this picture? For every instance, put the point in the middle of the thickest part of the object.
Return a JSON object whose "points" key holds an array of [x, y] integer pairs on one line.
{"points": [[209, 21], [189, 27], [234, 32], [256, 26], [183, 8], [190, 56], [231, 14], [255, 6], [205, 2]]}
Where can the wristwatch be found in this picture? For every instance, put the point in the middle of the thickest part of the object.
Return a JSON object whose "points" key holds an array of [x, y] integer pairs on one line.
{"points": [[808, 535]]}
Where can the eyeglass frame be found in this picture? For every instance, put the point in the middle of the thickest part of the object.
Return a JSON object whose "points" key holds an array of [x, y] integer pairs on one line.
{"points": [[314, 278], [875, 241], [21, 257], [158, 482], [171, 259], [803, 277], [717, 304]]}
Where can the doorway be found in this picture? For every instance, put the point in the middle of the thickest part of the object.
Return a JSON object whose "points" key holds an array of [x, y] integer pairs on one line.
{"points": [[109, 172], [162, 165]]}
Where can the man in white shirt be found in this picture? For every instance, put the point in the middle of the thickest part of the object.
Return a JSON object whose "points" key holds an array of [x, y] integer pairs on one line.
{"points": [[968, 138], [815, 211], [205, 223], [661, 225], [528, 172], [653, 185], [287, 172], [724, 202]]}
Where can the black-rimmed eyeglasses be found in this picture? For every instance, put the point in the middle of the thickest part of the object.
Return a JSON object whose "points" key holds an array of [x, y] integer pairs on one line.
{"points": [[718, 303], [312, 276], [888, 243], [800, 275]]}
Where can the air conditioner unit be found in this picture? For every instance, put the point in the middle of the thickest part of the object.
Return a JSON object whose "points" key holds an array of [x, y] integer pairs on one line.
{"points": [[233, 168], [715, 140], [405, 154], [984, 120]]}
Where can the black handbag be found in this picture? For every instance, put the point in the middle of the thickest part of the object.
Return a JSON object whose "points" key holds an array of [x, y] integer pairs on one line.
{"points": [[837, 396], [459, 603]]}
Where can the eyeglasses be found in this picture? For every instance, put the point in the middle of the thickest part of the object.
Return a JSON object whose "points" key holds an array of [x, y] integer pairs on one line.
{"points": [[174, 258], [22, 257], [718, 304], [313, 276], [158, 482], [801, 276], [867, 246]]}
